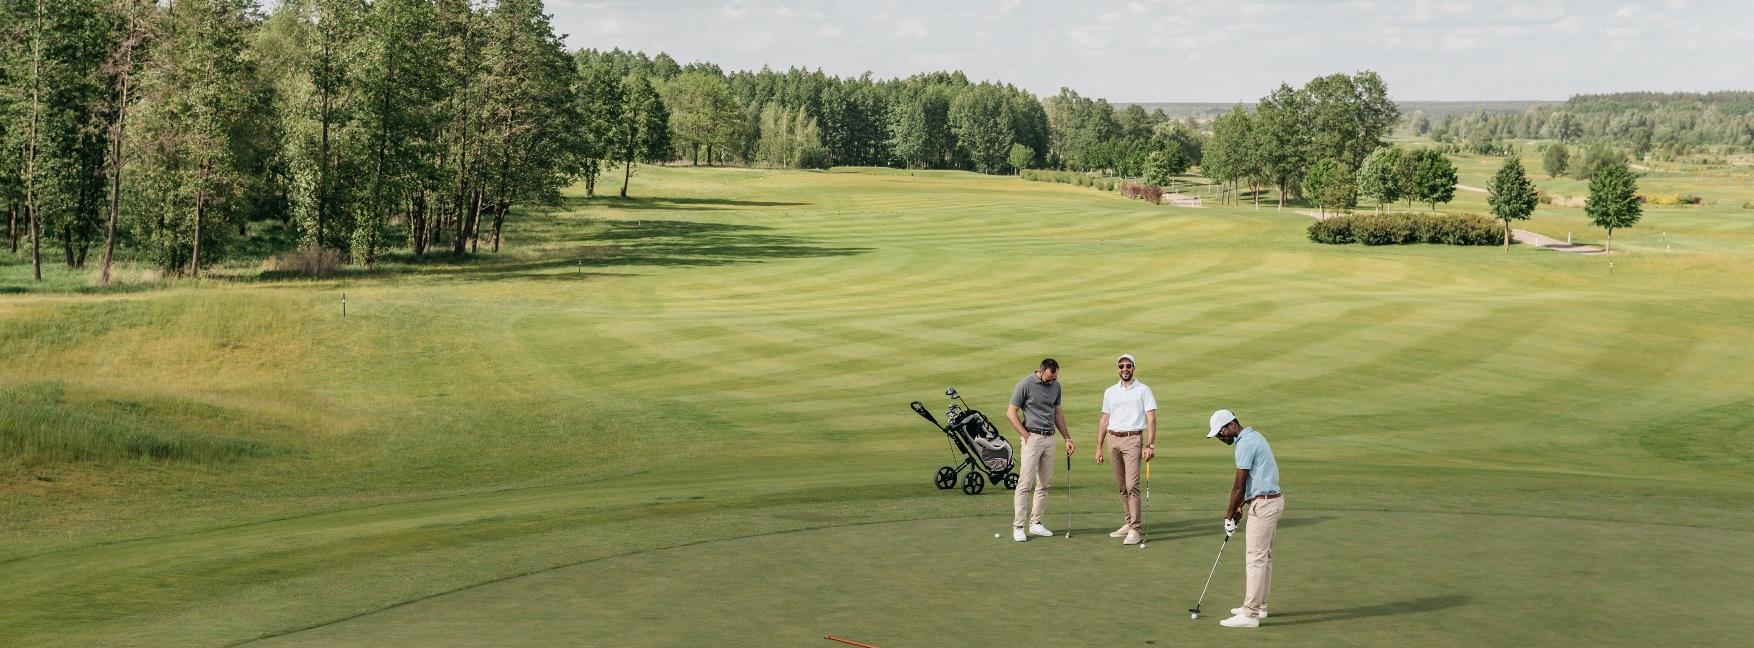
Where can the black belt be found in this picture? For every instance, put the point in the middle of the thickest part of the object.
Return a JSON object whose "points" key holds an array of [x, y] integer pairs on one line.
{"points": [[1046, 433]]}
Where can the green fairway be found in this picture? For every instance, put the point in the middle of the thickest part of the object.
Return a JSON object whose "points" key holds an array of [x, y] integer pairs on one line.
{"points": [[683, 420]]}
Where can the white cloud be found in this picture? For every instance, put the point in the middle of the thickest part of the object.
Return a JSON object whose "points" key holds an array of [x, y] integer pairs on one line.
{"points": [[828, 31], [910, 27], [1090, 37], [1008, 6], [1456, 42]]}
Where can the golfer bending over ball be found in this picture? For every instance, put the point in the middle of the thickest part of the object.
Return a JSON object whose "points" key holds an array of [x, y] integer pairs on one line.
{"points": [[1257, 484], [1035, 414]]}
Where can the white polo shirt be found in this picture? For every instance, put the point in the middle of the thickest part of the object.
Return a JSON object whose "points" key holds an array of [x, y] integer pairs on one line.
{"points": [[1126, 406]]}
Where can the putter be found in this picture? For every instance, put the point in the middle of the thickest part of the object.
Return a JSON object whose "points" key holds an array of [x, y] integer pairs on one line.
{"points": [[1068, 497], [1145, 527], [1194, 612]]}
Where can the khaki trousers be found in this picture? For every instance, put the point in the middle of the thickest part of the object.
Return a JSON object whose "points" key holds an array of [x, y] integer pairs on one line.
{"points": [[1035, 470], [1263, 520], [1123, 454]]}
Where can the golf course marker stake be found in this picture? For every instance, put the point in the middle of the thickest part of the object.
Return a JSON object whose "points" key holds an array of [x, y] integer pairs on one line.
{"points": [[344, 304], [847, 641]]}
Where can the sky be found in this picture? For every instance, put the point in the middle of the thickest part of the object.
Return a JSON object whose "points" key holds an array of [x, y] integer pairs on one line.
{"points": [[1190, 50]]}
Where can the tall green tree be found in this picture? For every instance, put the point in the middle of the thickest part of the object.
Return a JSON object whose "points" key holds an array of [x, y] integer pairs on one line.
{"points": [[120, 67], [189, 108], [1613, 202], [1021, 157], [1331, 185], [1282, 138], [397, 115], [599, 112], [1434, 178], [644, 129], [1379, 179], [1555, 159], [980, 118], [703, 113], [530, 112], [1511, 195]]}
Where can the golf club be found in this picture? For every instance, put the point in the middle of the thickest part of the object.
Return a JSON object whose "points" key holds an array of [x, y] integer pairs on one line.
{"points": [[1145, 527], [1068, 497], [1194, 612]]}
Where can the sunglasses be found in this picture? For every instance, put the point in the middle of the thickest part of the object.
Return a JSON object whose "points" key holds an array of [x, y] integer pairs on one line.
{"points": [[1126, 366]]}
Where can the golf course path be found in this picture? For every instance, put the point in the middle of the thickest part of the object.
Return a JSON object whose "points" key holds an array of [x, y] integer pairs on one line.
{"points": [[1182, 200], [1524, 237], [1472, 188]]}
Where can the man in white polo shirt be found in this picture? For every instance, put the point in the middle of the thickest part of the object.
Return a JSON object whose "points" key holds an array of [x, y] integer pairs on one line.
{"points": [[1129, 410]]}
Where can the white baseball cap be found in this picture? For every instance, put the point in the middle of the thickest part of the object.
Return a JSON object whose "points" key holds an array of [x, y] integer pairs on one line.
{"points": [[1220, 419], [1128, 357]]}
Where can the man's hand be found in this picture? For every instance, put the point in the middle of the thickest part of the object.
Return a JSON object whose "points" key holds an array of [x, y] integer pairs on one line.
{"points": [[1099, 456], [1071, 447], [1229, 527], [1149, 453]]}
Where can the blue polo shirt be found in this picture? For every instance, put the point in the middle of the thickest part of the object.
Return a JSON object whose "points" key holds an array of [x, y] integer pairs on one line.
{"points": [[1254, 455]]}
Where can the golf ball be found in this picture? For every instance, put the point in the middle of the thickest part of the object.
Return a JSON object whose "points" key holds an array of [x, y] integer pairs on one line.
{"points": [[1194, 616], [995, 535]]}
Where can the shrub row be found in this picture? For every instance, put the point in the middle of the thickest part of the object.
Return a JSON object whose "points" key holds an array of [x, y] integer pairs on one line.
{"points": [[1399, 228], [1073, 178], [1147, 192], [1671, 199]]}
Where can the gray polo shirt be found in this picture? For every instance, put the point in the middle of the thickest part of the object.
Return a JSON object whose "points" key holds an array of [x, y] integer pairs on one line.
{"points": [[1037, 400]]}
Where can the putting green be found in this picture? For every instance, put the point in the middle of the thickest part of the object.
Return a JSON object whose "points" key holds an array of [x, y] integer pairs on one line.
{"points": [[683, 420], [1343, 578]]}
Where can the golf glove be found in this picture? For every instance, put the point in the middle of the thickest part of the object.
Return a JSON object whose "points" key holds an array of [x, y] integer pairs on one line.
{"points": [[1229, 527]]}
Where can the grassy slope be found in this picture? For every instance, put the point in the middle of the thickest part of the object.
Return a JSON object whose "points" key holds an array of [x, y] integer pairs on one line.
{"points": [[633, 384]]}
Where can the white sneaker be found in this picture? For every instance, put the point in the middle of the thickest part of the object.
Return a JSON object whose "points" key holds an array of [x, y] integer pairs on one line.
{"points": [[1132, 538], [1120, 533], [1241, 621], [1017, 534], [1039, 530], [1262, 615]]}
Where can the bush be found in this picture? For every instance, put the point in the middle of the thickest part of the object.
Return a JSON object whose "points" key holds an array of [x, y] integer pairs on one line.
{"points": [[1671, 199], [1146, 192], [1400, 228], [308, 261]]}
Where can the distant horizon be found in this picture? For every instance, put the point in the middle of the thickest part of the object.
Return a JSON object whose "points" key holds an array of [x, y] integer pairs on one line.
{"points": [[1154, 50]]}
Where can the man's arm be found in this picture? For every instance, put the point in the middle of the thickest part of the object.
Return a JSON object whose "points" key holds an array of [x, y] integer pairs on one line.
{"points": [[1234, 511], [1060, 421], [1101, 435], [1017, 422], [1150, 434]]}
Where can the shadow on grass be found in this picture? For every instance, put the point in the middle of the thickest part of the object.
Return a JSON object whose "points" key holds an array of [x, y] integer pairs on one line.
{"points": [[621, 244], [669, 204], [1397, 608]]}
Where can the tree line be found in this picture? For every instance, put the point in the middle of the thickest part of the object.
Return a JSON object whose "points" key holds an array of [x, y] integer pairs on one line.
{"points": [[183, 128], [1662, 125]]}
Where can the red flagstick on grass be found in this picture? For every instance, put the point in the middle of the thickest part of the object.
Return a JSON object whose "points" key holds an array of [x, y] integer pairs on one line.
{"points": [[847, 641]]}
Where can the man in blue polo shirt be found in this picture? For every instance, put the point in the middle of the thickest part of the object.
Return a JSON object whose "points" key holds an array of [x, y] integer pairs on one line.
{"points": [[1256, 484]]}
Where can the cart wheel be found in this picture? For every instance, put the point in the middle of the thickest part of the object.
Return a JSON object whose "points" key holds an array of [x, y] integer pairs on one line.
{"points": [[946, 478], [1011, 481], [973, 483]]}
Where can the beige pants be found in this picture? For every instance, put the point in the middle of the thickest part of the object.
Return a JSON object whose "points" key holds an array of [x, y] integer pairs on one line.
{"points": [[1123, 454], [1035, 470], [1263, 520]]}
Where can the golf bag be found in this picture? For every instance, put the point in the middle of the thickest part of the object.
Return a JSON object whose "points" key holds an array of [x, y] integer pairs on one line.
{"points": [[985, 453]]}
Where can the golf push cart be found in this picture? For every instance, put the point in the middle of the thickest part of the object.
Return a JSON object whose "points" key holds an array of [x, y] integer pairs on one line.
{"points": [[984, 451]]}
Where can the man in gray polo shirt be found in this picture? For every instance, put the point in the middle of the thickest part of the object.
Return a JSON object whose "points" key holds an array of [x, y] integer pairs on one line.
{"points": [[1035, 415]]}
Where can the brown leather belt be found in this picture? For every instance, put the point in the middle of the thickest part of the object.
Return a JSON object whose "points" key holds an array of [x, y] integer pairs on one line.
{"points": [[1268, 496], [1125, 434]]}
